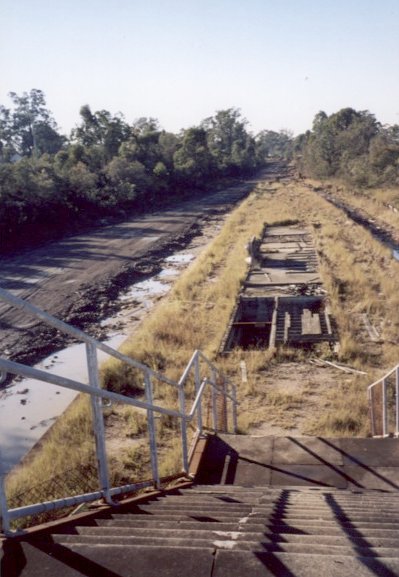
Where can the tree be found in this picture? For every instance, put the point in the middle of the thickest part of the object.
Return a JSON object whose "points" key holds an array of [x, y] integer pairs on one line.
{"points": [[193, 161], [229, 143], [273, 144], [31, 127], [101, 130]]}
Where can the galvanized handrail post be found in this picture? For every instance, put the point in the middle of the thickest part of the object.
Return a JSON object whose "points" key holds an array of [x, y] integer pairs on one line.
{"points": [[214, 401], [397, 402], [97, 394], [225, 412], [234, 407], [183, 425], [371, 410], [152, 431], [98, 422], [4, 516], [197, 379], [384, 408]]}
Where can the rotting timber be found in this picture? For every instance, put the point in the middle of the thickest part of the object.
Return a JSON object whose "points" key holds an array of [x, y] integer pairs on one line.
{"points": [[282, 300]]}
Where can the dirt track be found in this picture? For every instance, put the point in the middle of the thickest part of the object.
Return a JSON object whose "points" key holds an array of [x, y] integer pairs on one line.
{"points": [[78, 278]]}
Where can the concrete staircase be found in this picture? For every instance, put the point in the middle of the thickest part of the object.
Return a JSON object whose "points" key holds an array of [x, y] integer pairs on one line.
{"points": [[240, 518]]}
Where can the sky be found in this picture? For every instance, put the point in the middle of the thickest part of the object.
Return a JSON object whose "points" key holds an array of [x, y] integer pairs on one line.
{"points": [[278, 61]]}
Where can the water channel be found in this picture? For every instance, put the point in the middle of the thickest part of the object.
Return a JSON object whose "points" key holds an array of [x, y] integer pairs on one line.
{"points": [[29, 407]]}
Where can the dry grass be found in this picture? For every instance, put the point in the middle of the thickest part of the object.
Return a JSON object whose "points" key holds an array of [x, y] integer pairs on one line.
{"points": [[360, 277]]}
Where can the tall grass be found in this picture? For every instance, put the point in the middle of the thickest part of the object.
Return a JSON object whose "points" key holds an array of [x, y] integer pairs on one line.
{"points": [[360, 277]]}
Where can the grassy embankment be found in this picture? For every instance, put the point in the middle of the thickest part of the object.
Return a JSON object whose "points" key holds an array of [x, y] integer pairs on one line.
{"points": [[360, 277]]}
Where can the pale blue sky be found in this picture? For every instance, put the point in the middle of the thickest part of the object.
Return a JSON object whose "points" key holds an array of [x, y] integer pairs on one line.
{"points": [[280, 62]]}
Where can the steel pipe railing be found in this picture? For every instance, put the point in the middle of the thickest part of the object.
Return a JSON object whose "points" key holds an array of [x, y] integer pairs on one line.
{"points": [[97, 394], [383, 397]]}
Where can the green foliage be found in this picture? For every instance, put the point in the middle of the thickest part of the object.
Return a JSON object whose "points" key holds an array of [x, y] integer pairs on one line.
{"points": [[193, 161], [352, 145], [273, 144], [29, 128], [232, 147], [49, 184]]}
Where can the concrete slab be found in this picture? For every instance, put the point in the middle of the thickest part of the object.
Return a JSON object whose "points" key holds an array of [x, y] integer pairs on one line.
{"points": [[251, 474], [378, 478], [239, 563], [285, 231], [306, 451], [237, 459], [250, 447], [301, 461], [270, 275], [374, 452], [300, 475]]}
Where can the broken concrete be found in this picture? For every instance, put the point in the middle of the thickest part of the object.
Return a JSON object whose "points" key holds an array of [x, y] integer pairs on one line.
{"points": [[282, 300]]}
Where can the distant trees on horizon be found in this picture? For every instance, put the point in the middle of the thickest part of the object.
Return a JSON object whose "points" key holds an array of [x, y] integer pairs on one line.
{"points": [[51, 184], [351, 145]]}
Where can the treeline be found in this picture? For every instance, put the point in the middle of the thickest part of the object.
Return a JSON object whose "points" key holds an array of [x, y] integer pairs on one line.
{"points": [[351, 145], [50, 184]]}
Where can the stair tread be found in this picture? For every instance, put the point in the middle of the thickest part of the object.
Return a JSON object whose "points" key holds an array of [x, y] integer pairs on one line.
{"points": [[278, 528], [343, 538], [237, 564], [223, 543]]}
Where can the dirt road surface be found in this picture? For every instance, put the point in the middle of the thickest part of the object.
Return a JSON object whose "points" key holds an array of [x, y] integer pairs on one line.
{"points": [[78, 278]]}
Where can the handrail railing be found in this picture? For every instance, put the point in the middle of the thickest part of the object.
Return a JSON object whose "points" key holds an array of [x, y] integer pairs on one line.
{"points": [[383, 397], [219, 385]]}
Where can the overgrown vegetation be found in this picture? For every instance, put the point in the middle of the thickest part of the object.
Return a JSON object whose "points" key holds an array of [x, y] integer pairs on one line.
{"points": [[361, 278], [352, 145], [50, 184]]}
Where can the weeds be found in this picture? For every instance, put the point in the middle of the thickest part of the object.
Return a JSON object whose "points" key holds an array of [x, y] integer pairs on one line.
{"points": [[357, 272]]}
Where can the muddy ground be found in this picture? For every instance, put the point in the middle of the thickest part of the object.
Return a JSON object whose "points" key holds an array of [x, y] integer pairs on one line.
{"points": [[78, 278]]}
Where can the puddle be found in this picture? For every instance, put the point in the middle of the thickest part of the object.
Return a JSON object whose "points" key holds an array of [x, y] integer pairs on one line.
{"points": [[180, 258], [168, 272], [149, 287], [395, 254], [28, 408]]}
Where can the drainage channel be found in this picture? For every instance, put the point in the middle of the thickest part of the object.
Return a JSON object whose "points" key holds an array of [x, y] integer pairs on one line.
{"points": [[386, 236], [282, 301], [28, 408]]}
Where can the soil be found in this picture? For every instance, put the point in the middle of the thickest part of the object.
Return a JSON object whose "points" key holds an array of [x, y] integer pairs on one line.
{"points": [[306, 389]]}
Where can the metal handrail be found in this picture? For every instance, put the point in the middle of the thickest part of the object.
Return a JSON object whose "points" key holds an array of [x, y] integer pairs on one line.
{"points": [[97, 394], [383, 383], [36, 312]]}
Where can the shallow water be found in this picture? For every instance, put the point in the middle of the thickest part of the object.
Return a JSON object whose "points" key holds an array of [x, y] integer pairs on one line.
{"points": [[28, 408], [180, 258]]}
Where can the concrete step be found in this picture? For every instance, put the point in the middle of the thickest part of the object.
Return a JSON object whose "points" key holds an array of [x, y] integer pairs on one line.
{"points": [[227, 543], [237, 564], [290, 499], [291, 511], [355, 538], [52, 560], [328, 528], [287, 519], [327, 514], [216, 498], [200, 517], [32, 560], [188, 506], [208, 512], [151, 523]]}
